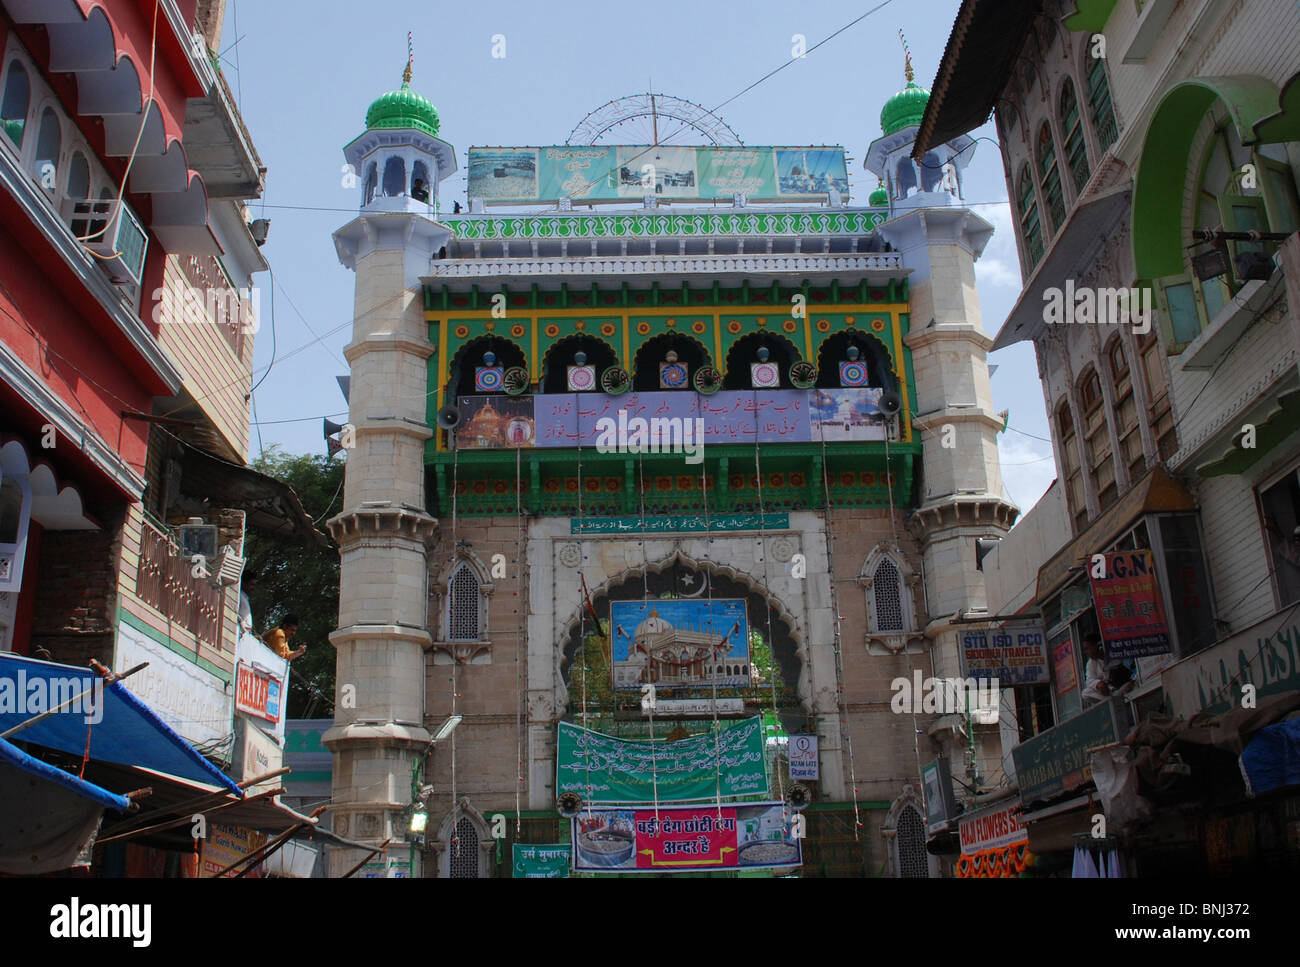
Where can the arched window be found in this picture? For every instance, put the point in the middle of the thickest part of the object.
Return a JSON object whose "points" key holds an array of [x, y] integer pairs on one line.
{"points": [[463, 851], [1126, 411], [1030, 229], [420, 182], [931, 171], [14, 102], [1075, 500], [78, 189], [906, 179], [1099, 103], [1076, 151], [1050, 179], [372, 182], [49, 141], [887, 591], [464, 605], [1097, 438], [913, 860], [394, 177]]}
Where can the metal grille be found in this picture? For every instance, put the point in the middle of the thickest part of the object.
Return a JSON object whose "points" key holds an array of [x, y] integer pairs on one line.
{"points": [[889, 600], [913, 861], [462, 606], [462, 851]]}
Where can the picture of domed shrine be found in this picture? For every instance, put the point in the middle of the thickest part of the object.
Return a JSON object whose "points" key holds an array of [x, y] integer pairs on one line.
{"points": [[487, 426], [681, 642]]}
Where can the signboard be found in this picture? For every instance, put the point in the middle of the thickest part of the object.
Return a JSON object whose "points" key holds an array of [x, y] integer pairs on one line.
{"points": [[682, 839], [940, 806], [224, 845], [190, 699], [692, 707], [260, 679], [992, 828], [541, 862], [1128, 604], [1014, 654], [1057, 761], [803, 757], [601, 768], [611, 173], [1266, 656], [1067, 673], [256, 751], [668, 524], [669, 422], [680, 642]]}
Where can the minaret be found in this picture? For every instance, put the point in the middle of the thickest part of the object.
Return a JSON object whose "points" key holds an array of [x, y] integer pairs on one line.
{"points": [[383, 531], [962, 496]]}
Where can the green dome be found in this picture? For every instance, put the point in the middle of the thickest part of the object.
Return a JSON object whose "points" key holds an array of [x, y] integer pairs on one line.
{"points": [[403, 109], [905, 109], [879, 198]]}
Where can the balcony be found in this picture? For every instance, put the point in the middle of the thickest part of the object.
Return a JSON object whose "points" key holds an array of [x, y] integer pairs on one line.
{"points": [[165, 581], [1058, 761]]}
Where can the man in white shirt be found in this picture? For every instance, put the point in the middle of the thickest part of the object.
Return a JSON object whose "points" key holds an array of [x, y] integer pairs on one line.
{"points": [[247, 586], [1096, 687]]}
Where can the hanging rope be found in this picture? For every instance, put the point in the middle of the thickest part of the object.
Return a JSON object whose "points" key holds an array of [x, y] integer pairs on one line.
{"points": [[520, 613], [650, 660], [582, 645], [767, 602], [708, 591]]}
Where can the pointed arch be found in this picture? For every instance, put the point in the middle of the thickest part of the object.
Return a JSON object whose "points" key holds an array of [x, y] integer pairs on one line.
{"points": [[463, 843], [460, 373], [463, 590], [890, 585], [736, 375], [645, 374], [834, 349], [904, 831], [557, 359]]}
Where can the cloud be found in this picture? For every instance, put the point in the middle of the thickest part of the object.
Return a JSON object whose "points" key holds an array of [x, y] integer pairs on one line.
{"points": [[1027, 468], [1000, 264]]}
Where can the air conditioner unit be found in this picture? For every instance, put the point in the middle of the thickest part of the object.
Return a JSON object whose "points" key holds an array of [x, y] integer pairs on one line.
{"points": [[121, 243], [229, 567]]}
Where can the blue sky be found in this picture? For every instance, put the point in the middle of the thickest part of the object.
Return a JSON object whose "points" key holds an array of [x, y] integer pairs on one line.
{"points": [[304, 74]]}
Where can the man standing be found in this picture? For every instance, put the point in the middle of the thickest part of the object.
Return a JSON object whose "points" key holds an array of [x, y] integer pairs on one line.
{"points": [[277, 639]]}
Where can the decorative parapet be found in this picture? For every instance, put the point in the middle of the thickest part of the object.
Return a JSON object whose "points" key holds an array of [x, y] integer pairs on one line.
{"points": [[484, 227], [624, 266]]}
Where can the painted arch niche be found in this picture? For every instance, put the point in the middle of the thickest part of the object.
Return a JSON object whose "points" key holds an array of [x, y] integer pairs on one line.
{"points": [[675, 578]]}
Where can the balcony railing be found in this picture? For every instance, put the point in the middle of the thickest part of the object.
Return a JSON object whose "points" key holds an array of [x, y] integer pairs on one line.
{"points": [[167, 583], [234, 317]]}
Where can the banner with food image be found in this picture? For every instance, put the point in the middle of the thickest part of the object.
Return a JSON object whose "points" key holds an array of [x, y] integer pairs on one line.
{"points": [[685, 839]]}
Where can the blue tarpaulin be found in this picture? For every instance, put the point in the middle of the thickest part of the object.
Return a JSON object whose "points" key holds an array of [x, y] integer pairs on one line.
{"points": [[129, 733], [1272, 759], [11, 755]]}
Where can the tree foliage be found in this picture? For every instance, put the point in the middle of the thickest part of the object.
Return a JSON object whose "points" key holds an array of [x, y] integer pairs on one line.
{"points": [[301, 579]]}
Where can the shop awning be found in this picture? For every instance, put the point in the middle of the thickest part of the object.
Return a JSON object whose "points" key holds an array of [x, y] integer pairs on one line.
{"points": [[127, 731], [1272, 759], [1086, 230], [46, 815], [1157, 492]]}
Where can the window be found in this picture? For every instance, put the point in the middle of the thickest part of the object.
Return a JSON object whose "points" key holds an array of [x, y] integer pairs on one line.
{"points": [[1097, 439], [463, 851], [906, 179], [1075, 499], [420, 182], [49, 141], [1280, 515], [886, 587], [1099, 104], [14, 101], [1126, 412], [1050, 179], [1030, 229], [394, 177], [15, 515], [913, 860], [1076, 152], [372, 182], [1157, 384], [463, 605]]}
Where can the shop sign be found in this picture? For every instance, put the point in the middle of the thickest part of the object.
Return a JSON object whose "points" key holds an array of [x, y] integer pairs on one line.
{"points": [[803, 757], [541, 862], [1130, 612], [992, 828], [1058, 760], [1265, 656], [1014, 654]]}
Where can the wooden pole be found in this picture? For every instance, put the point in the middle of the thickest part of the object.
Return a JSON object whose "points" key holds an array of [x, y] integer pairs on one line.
{"points": [[256, 855], [171, 823], [366, 859]]}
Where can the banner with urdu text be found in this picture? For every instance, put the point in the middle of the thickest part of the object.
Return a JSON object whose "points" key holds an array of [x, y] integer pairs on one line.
{"points": [[601, 768]]}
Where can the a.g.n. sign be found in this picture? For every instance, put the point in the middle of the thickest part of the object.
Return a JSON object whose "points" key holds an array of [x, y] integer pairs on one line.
{"points": [[1130, 612]]}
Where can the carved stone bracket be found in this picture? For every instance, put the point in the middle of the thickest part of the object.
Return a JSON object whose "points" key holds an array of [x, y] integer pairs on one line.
{"points": [[383, 523]]}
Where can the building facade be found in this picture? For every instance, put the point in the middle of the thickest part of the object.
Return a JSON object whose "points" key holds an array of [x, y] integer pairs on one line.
{"points": [[490, 536], [1151, 158]]}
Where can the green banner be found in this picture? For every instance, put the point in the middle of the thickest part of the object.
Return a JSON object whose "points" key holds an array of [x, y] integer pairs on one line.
{"points": [[541, 862], [601, 768], [697, 522]]}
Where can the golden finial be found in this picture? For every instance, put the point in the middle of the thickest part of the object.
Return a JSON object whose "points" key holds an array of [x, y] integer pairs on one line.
{"points": [[907, 59], [410, 58]]}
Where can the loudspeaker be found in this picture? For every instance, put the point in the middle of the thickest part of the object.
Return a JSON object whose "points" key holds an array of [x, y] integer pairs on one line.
{"points": [[449, 417], [331, 427], [799, 797], [569, 804], [890, 403]]}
